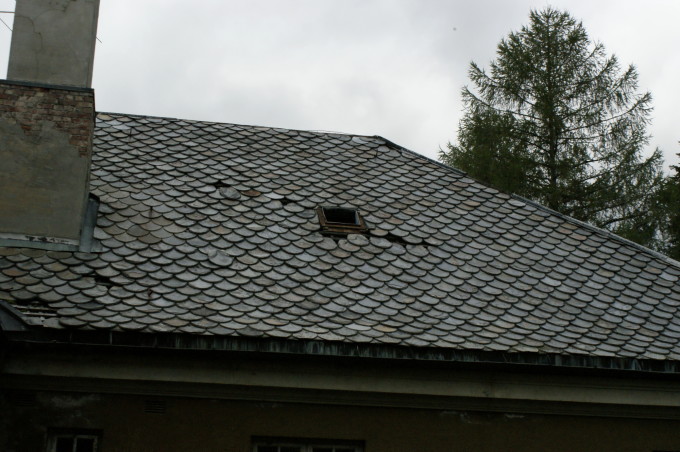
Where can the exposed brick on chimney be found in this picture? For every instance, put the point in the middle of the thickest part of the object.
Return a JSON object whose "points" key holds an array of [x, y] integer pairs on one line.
{"points": [[45, 152], [70, 111]]}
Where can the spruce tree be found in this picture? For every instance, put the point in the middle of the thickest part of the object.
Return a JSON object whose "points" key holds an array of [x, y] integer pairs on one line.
{"points": [[669, 210], [557, 120]]}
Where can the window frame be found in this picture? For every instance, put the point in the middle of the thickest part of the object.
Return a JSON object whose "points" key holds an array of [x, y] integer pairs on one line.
{"points": [[53, 435], [341, 228]]}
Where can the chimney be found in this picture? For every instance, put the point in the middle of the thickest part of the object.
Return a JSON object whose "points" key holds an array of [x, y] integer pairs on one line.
{"points": [[46, 126]]}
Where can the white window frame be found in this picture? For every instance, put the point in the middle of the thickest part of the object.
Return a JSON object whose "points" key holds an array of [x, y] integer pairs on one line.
{"points": [[75, 436]]}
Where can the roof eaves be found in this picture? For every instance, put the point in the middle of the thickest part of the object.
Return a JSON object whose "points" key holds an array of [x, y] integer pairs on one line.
{"points": [[334, 349]]}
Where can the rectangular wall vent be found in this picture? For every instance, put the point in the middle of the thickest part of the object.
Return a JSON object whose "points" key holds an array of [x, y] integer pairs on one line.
{"points": [[155, 406], [21, 398]]}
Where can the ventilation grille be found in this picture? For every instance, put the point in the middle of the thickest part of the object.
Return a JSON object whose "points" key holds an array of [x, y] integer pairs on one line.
{"points": [[21, 398], [155, 406]]}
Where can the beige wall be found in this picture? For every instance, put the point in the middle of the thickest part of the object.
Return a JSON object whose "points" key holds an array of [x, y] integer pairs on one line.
{"points": [[228, 426], [218, 401]]}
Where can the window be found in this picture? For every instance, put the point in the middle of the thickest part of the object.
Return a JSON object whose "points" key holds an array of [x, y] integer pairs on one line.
{"points": [[306, 446], [73, 441]]}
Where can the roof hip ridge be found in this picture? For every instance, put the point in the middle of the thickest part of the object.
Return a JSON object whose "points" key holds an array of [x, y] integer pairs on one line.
{"points": [[600, 231], [583, 224]]}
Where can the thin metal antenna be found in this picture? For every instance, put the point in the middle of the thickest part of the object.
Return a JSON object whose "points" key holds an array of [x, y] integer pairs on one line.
{"points": [[5, 23]]}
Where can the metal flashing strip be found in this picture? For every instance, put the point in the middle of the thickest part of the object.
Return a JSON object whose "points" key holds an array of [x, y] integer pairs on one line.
{"points": [[46, 85], [610, 235], [42, 243], [604, 232], [87, 242], [11, 319]]}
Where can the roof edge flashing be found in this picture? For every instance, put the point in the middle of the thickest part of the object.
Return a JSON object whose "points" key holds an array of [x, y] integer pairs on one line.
{"points": [[600, 231], [11, 319], [79, 89], [588, 226]]}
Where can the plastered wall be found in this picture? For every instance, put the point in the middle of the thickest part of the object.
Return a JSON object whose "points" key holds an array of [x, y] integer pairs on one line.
{"points": [[229, 426], [45, 147]]}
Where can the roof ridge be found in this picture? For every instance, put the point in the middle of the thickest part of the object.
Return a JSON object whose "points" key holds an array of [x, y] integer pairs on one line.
{"points": [[436, 162], [170, 118]]}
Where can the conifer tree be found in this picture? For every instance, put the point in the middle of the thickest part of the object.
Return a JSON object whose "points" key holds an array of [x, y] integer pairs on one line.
{"points": [[557, 120], [669, 210]]}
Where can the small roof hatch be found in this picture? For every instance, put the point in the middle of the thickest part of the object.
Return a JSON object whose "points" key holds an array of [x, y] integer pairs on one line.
{"points": [[341, 220]]}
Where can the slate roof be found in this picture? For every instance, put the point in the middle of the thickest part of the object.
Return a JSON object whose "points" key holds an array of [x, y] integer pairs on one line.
{"points": [[211, 229]]}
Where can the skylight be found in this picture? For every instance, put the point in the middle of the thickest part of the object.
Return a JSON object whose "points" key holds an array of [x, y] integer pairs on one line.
{"points": [[341, 220]]}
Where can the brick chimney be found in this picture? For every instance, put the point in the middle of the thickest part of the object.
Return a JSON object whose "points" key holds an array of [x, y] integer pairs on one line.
{"points": [[46, 125]]}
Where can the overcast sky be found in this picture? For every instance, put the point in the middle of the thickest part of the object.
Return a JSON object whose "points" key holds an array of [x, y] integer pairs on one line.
{"points": [[393, 68]]}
